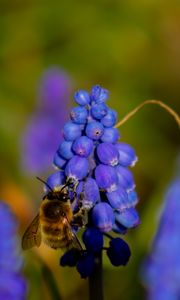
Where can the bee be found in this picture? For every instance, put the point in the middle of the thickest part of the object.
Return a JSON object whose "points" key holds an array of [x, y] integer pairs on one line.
{"points": [[53, 223]]}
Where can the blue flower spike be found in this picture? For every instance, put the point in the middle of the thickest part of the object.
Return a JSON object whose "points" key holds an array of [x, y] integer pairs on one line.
{"points": [[12, 283], [98, 164]]}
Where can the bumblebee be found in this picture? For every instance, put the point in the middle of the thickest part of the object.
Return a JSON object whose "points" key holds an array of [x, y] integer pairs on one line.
{"points": [[53, 223]]}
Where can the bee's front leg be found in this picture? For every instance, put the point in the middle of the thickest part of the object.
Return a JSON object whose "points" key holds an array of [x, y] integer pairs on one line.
{"points": [[80, 218]]}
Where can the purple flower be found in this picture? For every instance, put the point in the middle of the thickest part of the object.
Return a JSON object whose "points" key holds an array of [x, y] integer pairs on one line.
{"points": [[161, 270], [12, 283], [43, 131], [92, 160]]}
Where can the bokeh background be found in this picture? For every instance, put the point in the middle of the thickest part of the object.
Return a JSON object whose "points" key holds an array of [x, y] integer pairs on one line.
{"points": [[132, 48]]}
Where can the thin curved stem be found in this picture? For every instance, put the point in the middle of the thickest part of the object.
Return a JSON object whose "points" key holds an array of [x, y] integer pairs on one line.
{"points": [[157, 102]]}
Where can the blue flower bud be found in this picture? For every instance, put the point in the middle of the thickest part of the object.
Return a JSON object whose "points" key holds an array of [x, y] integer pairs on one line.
{"points": [[70, 258], [94, 130], [82, 97], [77, 167], [108, 154], [109, 120], [103, 217], [65, 149], [118, 199], [118, 228], [125, 178], [71, 131], [85, 264], [127, 155], [106, 177], [118, 252], [129, 218], [79, 114], [110, 135], [55, 180], [58, 161], [83, 146], [99, 94], [91, 193], [93, 239], [132, 198], [98, 111]]}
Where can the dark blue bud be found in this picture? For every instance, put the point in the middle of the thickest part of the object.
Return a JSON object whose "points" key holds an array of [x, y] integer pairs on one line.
{"points": [[55, 180], [125, 178], [77, 167], [65, 149], [79, 114], [118, 228], [99, 94], [103, 217], [94, 130], [83, 146], [91, 193], [98, 111], [132, 198], [85, 265], [71, 131], [118, 252], [109, 120], [106, 177], [110, 135], [129, 218], [108, 154], [70, 258], [82, 97], [58, 161], [93, 239], [127, 155], [118, 199]]}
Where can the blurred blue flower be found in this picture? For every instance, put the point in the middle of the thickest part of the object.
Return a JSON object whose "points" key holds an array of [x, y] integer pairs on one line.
{"points": [[12, 284], [91, 156], [43, 132], [161, 270]]}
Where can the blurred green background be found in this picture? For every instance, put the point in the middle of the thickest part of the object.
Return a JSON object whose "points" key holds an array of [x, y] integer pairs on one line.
{"points": [[132, 48]]}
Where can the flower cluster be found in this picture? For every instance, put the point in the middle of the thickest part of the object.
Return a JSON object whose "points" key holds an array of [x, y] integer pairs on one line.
{"points": [[12, 283], [42, 131], [161, 270], [98, 164]]}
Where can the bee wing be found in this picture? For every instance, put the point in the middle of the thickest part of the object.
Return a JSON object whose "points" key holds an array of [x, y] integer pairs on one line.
{"points": [[32, 235], [74, 241]]}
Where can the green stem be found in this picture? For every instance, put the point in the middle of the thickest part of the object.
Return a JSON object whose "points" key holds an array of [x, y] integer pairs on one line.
{"points": [[50, 282], [96, 280]]}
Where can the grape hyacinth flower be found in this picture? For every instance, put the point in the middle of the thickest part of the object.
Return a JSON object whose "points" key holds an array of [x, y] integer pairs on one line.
{"points": [[92, 157], [12, 283], [161, 270], [44, 128]]}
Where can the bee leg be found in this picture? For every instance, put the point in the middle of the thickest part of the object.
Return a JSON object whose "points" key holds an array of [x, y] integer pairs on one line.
{"points": [[80, 218]]}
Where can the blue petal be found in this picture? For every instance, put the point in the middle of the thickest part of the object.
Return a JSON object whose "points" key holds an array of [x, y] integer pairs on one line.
{"points": [[77, 167], [106, 177], [103, 217], [82, 97], [110, 135], [83, 146], [127, 155], [55, 180], [107, 154], [128, 218]]}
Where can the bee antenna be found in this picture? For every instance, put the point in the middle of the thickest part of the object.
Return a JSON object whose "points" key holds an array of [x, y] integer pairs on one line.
{"points": [[38, 178]]}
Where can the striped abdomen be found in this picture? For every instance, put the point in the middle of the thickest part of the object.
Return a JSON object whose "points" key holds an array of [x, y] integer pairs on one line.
{"points": [[57, 235]]}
